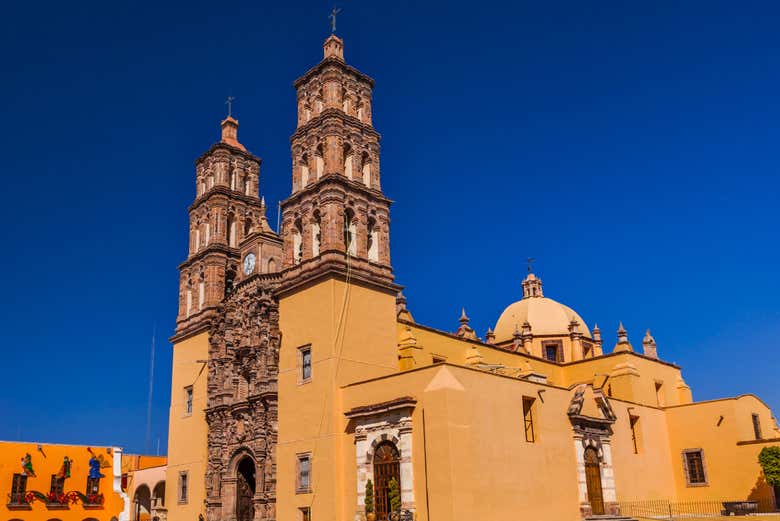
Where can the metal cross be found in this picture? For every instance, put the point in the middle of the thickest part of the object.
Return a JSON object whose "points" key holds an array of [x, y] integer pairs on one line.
{"points": [[531, 260], [229, 103], [332, 17]]}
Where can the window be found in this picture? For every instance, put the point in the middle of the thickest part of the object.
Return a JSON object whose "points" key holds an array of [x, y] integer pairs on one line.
{"points": [[305, 363], [693, 461], [349, 232], [373, 241], [528, 418], [659, 394], [183, 482], [757, 426], [304, 171], [587, 350], [304, 474], [438, 359], [57, 484], [305, 513], [93, 486], [553, 352], [188, 400], [18, 488], [634, 423], [315, 234]]}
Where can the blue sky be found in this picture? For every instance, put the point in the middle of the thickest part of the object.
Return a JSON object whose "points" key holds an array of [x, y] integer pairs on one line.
{"points": [[631, 148]]}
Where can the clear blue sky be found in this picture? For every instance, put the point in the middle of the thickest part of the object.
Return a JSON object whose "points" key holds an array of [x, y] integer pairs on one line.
{"points": [[632, 148]]}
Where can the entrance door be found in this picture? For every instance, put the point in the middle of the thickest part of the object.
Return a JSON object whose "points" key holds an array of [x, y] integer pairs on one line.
{"points": [[593, 479], [387, 465], [245, 490]]}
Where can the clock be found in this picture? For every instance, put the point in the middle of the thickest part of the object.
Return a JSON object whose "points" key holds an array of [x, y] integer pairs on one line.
{"points": [[249, 263]]}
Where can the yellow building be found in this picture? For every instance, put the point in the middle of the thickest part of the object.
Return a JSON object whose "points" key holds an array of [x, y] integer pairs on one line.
{"points": [[42, 482], [300, 375]]}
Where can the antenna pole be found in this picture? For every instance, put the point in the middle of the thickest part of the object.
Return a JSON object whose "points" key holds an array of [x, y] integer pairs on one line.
{"points": [[151, 389], [278, 216]]}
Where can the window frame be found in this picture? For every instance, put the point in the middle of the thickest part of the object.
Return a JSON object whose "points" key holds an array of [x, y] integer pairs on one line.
{"points": [[686, 468], [305, 513], [634, 425], [299, 486], [182, 487], [92, 483], [757, 426], [57, 485], [303, 378], [18, 489], [558, 345], [529, 427], [189, 399]]}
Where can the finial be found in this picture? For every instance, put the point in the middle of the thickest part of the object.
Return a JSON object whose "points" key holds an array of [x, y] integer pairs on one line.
{"points": [[490, 337], [596, 333], [262, 201], [648, 345], [229, 102], [622, 334], [464, 319], [333, 13], [531, 260]]}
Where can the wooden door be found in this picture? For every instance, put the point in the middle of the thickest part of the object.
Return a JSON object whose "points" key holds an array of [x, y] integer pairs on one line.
{"points": [[245, 490], [593, 480], [387, 465]]}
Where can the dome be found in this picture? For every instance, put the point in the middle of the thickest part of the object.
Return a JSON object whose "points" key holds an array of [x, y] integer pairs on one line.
{"points": [[545, 315]]}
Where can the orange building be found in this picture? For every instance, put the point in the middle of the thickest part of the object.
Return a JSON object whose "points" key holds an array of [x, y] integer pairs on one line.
{"points": [[40, 482]]}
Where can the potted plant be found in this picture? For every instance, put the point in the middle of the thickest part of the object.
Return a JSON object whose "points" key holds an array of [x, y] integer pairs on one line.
{"points": [[369, 502], [394, 495]]}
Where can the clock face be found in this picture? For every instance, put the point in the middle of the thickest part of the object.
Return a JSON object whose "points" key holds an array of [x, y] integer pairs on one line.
{"points": [[249, 263]]}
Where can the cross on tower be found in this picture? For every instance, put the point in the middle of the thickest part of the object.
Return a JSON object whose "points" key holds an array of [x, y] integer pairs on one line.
{"points": [[229, 103], [332, 17], [531, 260]]}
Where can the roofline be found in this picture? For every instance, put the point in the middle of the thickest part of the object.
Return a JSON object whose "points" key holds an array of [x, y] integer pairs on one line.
{"points": [[735, 398], [85, 445]]}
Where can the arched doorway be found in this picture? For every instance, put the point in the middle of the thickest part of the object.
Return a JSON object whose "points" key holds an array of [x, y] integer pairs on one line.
{"points": [[245, 490], [593, 480], [387, 465], [142, 504]]}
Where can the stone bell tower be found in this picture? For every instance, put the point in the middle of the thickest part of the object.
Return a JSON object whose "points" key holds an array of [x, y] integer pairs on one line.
{"points": [[337, 218]]}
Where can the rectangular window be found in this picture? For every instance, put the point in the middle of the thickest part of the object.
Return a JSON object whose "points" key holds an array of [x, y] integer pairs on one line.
{"points": [[693, 459], [57, 484], [305, 513], [93, 486], [188, 400], [18, 489], [634, 422], [183, 487], [553, 351], [305, 358], [528, 419], [304, 473], [757, 426]]}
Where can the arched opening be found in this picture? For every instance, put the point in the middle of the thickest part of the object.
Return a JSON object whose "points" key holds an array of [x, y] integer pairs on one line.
{"points": [[319, 162], [247, 226], [350, 242], [348, 161], [188, 298], [373, 241], [315, 234], [232, 179], [230, 277], [387, 465], [271, 265], [360, 110], [142, 504], [593, 480], [158, 496], [231, 230], [245, 490], [366, 170], [247, 184], [304, 171], [297, 242], [201, 292], [345, 100]]}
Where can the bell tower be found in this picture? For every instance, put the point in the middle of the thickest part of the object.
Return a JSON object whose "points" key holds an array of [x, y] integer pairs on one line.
{"points": [[337, 218], [226, 210]]}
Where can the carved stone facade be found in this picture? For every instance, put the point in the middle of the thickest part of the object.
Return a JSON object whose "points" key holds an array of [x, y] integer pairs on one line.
{"points": [[242, 413]]}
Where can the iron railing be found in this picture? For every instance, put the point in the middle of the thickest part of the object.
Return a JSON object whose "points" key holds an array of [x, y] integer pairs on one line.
{"points": [[662, 509]]}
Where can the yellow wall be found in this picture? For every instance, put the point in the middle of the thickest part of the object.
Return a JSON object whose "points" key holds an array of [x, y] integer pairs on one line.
{"points": [[352, 333], [46, 462], [187, 434]]}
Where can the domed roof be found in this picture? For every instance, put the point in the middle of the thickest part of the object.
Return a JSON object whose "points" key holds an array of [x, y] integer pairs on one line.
{"points": [[545, 315]]}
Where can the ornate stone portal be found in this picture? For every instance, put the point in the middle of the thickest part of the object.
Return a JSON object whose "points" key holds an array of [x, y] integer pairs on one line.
{"points": [[242, 404]]}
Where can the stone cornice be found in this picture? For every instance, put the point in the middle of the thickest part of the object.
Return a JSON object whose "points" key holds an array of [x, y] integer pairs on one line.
{"points": [[320, 120], [212, 249], [404, 402], [219, 190], [201, 325], [337, 181], [333, 62], [229, 148]]}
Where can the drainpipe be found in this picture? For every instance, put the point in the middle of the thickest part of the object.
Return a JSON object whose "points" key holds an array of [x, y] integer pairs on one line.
{"points": [[117, 477]]}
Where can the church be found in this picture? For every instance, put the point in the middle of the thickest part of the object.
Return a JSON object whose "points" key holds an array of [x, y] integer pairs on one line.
{"points": [[303, 388]]}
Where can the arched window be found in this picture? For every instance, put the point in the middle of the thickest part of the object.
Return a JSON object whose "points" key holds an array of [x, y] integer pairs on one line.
{"points": [[315, 234], [207, 234], [366, 170], [230, 277], [231, 230], [344, 100], [348, 161], [142, 504], [319, 162], [158, 495], [232, 179], [304, 166], [387, 466], [360, 108], [247, 226], [247, 184], [197, 237], [350, 242], [373, 241], [271, 265], [188, 299], [245, 490], [297, 242], [201, 293], [211, 182]]}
